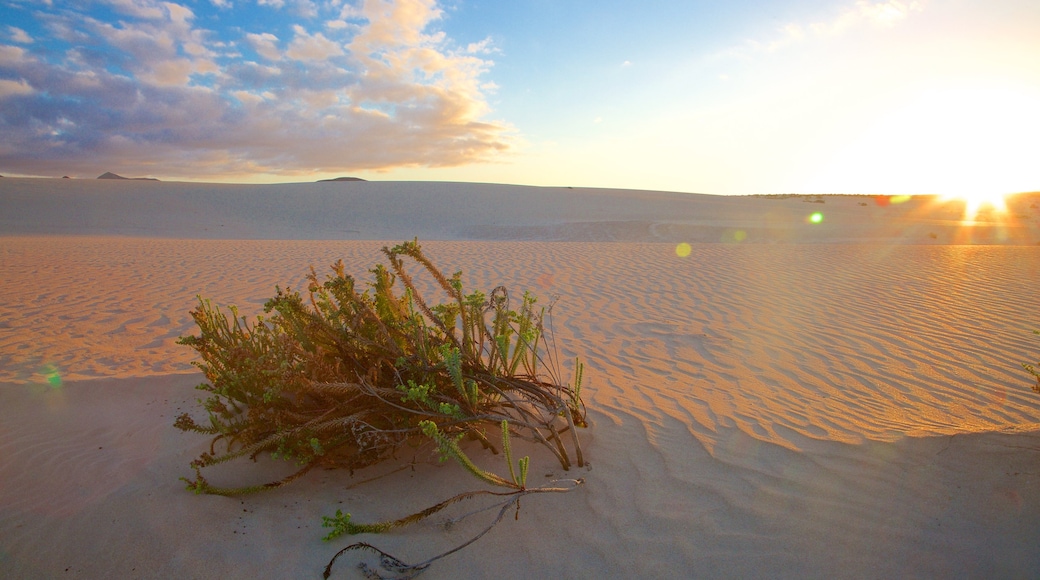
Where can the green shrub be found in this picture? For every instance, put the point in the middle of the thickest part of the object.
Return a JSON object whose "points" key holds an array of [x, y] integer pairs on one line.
{"points": [[346, 375], [1034, 370]]}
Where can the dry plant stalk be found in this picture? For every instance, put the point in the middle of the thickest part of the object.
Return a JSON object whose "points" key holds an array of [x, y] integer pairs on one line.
{"points": [[392, 568], [348, 375], [1034, 370]]}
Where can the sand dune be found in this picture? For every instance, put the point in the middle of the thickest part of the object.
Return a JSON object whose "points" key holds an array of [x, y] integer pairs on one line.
{"points": [[468, 211], [759, 408]]}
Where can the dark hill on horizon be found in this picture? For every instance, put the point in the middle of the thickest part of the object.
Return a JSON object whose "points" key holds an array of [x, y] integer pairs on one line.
{"points": [[110, 175]]}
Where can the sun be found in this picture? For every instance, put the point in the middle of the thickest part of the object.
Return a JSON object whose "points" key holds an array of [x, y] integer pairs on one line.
{"points": [[970, 143], [976, 201]]}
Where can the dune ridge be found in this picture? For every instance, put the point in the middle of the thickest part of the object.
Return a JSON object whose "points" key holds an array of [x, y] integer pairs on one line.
{"points": [[812, 408], [370, 210]]}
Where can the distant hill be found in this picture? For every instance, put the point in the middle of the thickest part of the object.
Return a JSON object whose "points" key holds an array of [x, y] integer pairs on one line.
{"points": [[110, 175], [342, 179]]}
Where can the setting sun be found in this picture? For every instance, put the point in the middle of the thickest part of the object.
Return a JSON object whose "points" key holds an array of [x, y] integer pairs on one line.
{"points": [[975, 201], [962, 143]]}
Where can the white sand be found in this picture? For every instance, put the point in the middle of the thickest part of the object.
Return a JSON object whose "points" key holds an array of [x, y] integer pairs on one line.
{"points": [[834, 400]]}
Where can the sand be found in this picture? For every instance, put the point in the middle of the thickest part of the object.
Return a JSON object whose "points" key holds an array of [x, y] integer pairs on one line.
{"points": [[841, 399]]}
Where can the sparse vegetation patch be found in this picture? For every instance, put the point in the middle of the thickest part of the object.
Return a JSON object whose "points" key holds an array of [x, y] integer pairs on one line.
{"points": [[346, 374]]}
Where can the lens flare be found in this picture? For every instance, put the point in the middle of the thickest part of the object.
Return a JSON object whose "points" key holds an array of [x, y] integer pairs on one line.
{"points": [[975, 201], [683, 250], [816, 218], [52, 375]]}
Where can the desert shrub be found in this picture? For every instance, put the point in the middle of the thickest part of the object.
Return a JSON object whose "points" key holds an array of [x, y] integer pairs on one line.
{"points": [[345, 375], [390, 567], [1034, 370]]}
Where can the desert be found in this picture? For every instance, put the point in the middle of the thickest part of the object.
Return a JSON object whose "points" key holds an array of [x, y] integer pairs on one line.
{"points": [[770, 395]]}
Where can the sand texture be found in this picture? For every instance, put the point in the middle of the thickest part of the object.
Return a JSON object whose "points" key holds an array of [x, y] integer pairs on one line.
{"points": [[789, 400]]}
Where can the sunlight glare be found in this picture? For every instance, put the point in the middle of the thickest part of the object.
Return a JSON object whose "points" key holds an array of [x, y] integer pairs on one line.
{"points": [[955, 141], [974, 201]]}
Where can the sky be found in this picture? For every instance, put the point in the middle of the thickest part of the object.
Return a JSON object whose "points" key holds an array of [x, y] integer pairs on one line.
{"points": [[735, 97]]}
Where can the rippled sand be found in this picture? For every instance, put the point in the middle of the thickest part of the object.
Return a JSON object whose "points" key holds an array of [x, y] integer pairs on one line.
{"points": [[816, 410]]}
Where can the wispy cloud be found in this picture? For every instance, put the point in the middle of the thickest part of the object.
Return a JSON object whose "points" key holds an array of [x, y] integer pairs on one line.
{"points": [[18, 35], [888, 13], [858, 14], [155, 93]]}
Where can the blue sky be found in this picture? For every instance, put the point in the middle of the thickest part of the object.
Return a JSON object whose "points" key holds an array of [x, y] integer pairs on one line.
{"points": [[751, 96]]}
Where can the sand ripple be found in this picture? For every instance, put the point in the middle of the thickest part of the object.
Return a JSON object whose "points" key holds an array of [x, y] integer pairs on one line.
{"points": [[840, 342], [750, 410]]}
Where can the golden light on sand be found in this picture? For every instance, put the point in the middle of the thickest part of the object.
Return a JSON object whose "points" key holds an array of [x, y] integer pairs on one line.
{"points": [[867, 366], [976, 201]]}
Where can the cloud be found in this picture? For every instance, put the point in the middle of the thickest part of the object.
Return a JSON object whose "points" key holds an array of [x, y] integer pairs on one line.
{"points": [[866, 13], [302, 8], [145, 9], [13, 55], [18, 35], [306, 46], [265, 44], [887, 13], [483, 47], [9, 88], [153, 93], [861, 13]]}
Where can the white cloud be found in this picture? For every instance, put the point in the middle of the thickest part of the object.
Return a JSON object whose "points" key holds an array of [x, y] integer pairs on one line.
{"points": [[18, 35], [306, 8], [887, 13], [399, 94], [10, 88], [859, 14], [146, 9], [265, 44], [390, 23], [174, 72], [314, 47], [406, 62], [302, 8], [178, 14], [483, 47], [151, 46], [247, 97], [12, 55]]}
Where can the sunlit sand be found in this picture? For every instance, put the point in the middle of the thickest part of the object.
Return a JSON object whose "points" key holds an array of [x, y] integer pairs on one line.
{"points": [[975, 201], [770, 393]]}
